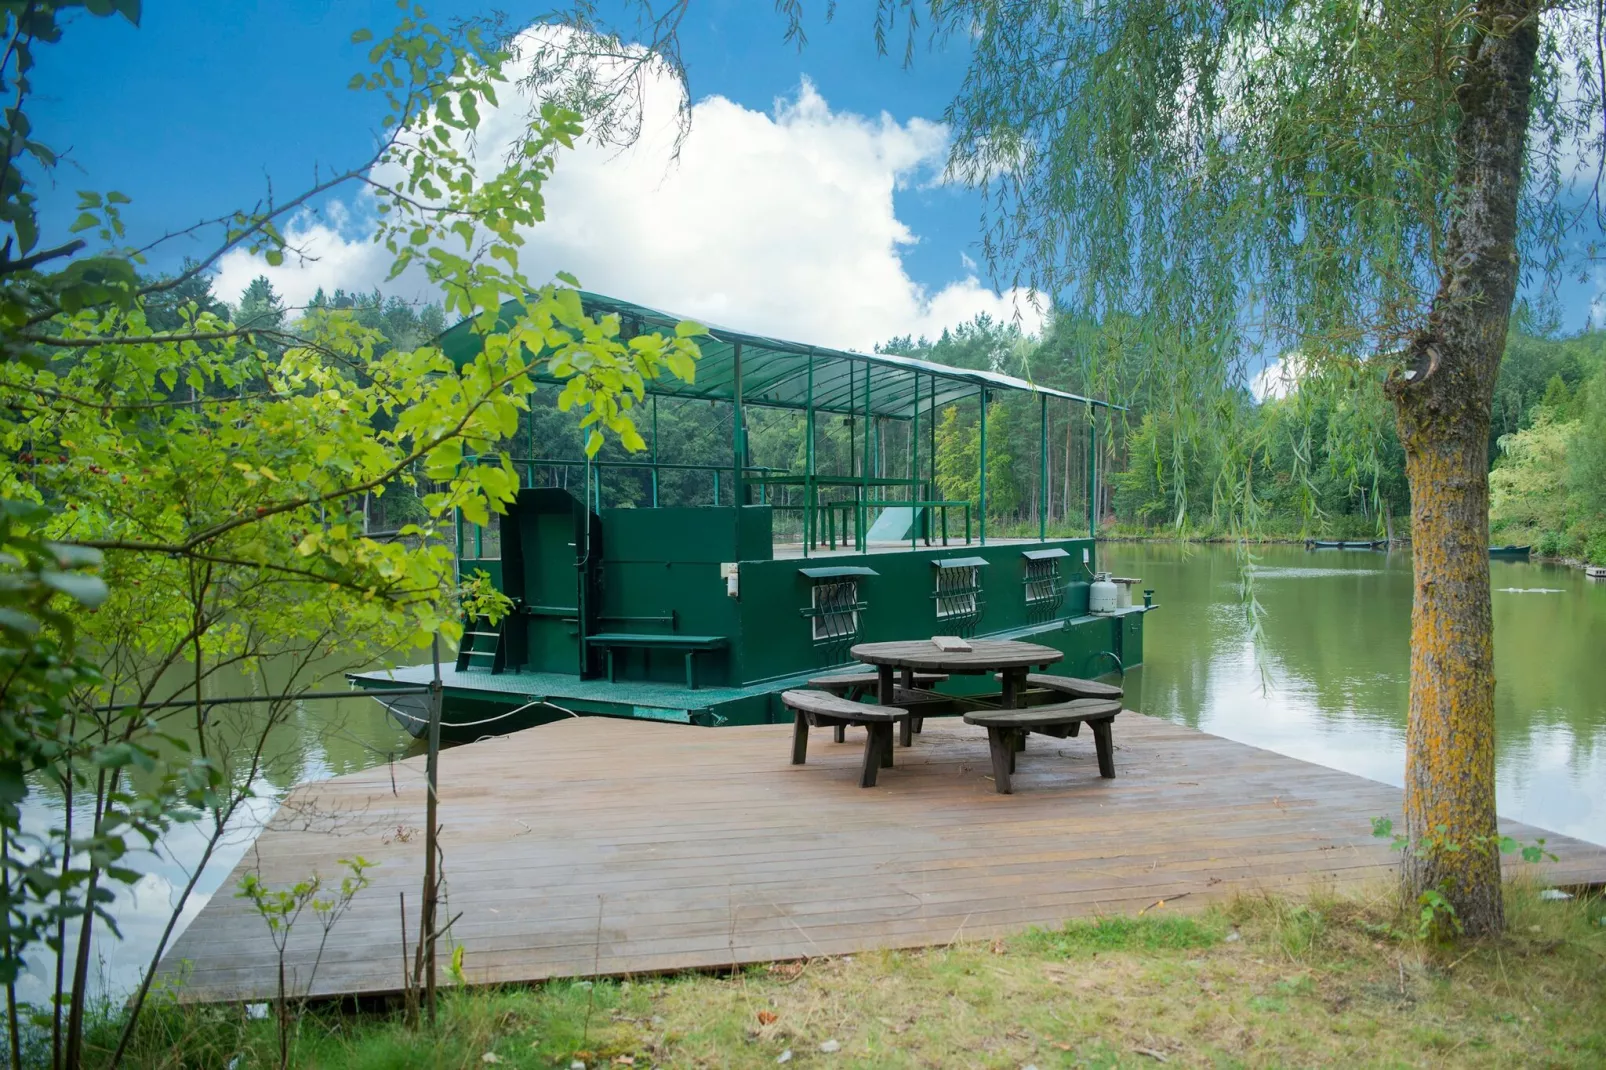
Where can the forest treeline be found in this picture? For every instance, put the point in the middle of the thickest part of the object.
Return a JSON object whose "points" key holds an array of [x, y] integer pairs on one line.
{"points": [[1317, 457], [1325, 459]]}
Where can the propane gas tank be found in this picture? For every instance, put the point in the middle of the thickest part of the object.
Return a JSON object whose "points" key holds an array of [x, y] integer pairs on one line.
{"points": [[1102, 594]]}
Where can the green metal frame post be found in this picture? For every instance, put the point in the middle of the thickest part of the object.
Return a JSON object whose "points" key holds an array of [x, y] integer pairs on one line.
{"points": [[915, 515], [861, 516], [1092, 473], [457, 520], [1042, 471], [981, 512], [932, 491], [809, 503], [655, 451], [853, 434], [738, 433]]}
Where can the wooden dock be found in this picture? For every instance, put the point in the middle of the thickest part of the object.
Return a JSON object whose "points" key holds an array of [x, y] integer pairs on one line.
{"points": [[599, 846]]}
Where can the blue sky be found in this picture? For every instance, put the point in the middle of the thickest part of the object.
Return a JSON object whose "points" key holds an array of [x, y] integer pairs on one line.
{"points": [[198, 109], [195, 112]]}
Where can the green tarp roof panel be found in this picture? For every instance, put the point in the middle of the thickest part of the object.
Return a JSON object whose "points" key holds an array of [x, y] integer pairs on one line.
{"points": [[959, 562], [831, 571], [776, 373], [1040, 555]]}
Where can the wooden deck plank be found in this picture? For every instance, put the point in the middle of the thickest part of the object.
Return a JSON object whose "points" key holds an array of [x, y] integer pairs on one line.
{"points": [[628, 847]]}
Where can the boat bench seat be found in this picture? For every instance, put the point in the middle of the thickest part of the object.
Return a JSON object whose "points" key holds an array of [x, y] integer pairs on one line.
{"points": [[820, 709], [691, 645], [1007, 729]]}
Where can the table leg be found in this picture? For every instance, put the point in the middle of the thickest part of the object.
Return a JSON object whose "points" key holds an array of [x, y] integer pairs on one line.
{"points": [[884, 691], [999, 744], [872, 757], [1013, 680], [1105, 747], [1014, 692]]}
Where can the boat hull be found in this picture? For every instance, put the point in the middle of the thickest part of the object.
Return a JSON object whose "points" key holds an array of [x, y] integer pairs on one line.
{"points": [[1346, 544], [476, 703]]}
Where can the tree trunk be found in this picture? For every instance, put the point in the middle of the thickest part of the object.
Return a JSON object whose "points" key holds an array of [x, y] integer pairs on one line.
{"points": [[1443, 404]]}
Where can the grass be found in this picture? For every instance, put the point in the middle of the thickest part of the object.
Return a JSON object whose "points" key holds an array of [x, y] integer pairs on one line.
{"points": [[1255, 982]]}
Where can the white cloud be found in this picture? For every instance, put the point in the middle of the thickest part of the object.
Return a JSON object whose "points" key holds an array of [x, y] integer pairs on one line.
{"points": [[782, 223], [1279, 378]]}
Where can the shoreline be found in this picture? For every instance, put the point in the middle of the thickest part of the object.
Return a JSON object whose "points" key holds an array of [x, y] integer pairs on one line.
{"points": [[1284, 539]]}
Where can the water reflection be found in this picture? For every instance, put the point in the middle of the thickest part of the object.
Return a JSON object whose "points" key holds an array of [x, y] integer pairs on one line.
{"points": [[1335, 652], [314, 741]]}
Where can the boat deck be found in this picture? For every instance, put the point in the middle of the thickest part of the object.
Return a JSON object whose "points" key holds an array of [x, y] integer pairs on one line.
{"points": [[566, 686], [602, 846], [793, 551]]}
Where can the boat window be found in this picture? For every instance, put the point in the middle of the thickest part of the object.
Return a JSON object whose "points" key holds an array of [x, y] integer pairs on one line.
{"points": [[958, 589], [835, 610], [1043, 590]]}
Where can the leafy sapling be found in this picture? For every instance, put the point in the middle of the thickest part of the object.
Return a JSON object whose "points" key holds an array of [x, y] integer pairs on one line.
{"points": [[281, 908]]}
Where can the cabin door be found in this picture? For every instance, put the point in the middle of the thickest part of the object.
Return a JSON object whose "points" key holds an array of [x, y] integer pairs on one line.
{"points": [[550, 561]]}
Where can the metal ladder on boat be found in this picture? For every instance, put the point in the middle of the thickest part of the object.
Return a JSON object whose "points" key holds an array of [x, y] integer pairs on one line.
{"points": [[483, 641]]}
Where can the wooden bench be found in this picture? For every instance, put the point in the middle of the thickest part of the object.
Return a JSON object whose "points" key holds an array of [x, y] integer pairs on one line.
{"points": [[856, 685], [819, 709], [1071, 686], [690, 645], [1007, 727]]}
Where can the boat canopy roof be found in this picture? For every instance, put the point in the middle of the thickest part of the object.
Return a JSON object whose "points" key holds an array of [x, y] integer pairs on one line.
{"points": [[792, 375]]}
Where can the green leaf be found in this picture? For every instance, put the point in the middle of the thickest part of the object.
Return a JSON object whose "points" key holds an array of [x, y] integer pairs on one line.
{"points": [[13, 786], [17, 621], [85, 221], [88, 590], [362, 36], [27, 228]]}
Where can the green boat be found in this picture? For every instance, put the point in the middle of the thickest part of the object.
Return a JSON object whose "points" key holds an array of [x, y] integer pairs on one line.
{"points": [[704, 613], [1520, 552]]}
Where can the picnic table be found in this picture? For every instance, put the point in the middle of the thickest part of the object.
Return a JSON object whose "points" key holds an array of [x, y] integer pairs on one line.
{"points": [[1070, 702], [1010, 660]]}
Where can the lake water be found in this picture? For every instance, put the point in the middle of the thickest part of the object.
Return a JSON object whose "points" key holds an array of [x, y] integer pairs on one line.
{"points": [[1330, 678], [1327, 684]]}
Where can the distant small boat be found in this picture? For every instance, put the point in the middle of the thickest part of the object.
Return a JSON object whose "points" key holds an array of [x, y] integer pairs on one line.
{"points": [[1595, 572], [1346, 544], [1509, 551]]}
